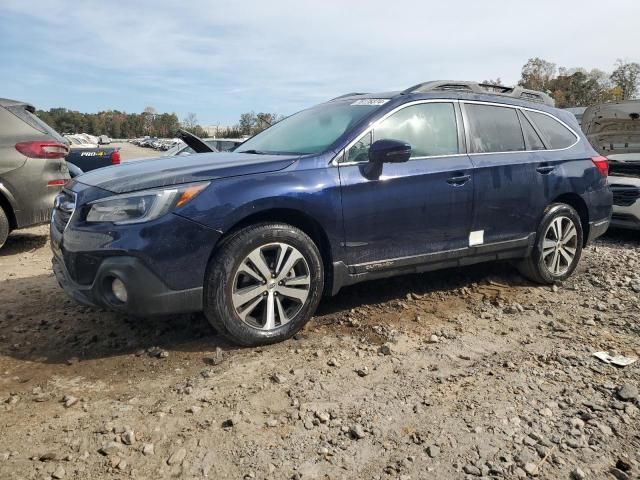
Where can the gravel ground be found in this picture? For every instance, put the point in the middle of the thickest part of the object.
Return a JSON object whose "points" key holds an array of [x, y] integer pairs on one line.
{"points": [[457, 374]]}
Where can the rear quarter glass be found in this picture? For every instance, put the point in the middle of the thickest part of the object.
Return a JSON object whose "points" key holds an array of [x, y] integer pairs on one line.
{"points": [[33, 121]]}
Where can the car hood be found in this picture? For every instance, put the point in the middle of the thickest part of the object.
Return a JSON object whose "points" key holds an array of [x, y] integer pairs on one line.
{"points": [[165, 171], [613, 128], [614, 131]]}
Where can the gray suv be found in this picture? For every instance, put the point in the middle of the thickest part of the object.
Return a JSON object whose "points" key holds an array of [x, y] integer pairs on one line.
{"points": [[32, 167]]}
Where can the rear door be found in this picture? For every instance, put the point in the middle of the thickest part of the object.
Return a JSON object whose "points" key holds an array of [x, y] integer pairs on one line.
{"points": [[409, 209], [508, 195]]}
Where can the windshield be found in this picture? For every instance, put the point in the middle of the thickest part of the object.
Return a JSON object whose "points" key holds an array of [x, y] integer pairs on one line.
{"points": [[308, 131]]}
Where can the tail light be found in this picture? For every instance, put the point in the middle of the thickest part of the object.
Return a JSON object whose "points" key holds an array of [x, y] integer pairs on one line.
{"points": [[115, 157], [42, 149], [56, 183], [602, 164]]}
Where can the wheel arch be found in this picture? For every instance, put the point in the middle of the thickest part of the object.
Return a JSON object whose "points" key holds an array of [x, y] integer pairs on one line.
{"points": [[579, 205], [296, 218], [8, 210]]}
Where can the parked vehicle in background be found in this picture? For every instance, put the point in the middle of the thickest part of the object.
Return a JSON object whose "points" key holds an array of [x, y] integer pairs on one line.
{"points": [[148, 142], [104, 140], [79, 141], [614, 130], [363, 186], [86, 156], [32, 167], [188, 143], [225, 144], [92, 158]]}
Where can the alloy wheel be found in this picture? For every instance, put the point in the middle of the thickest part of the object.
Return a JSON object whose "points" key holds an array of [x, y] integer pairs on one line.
{"points": [[560, 245], [270, 286]]}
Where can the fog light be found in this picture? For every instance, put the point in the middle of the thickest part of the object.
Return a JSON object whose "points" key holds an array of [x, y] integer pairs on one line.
{"points": [[119, 290]]}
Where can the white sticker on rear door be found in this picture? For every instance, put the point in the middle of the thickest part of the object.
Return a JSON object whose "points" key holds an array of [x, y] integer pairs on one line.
{"points": [[371, 101], [476, 238]]}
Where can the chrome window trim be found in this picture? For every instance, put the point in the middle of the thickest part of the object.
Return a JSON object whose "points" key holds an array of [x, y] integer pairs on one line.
{"points": [[523, 109], [335, 162]]}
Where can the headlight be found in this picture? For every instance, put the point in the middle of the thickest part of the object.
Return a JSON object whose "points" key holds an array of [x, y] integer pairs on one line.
{"points": [[142, 206]]}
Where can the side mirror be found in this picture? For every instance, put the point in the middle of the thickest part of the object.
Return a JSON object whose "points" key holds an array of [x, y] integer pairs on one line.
{"points": [[389, 151]]}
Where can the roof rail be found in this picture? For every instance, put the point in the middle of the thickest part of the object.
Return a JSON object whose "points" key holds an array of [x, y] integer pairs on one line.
{"points": [[352, 94], [483, 88]]}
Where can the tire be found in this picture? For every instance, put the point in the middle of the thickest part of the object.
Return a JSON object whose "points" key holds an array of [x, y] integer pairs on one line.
{"points": [[237, 296], [5, 227], [541, 266]]}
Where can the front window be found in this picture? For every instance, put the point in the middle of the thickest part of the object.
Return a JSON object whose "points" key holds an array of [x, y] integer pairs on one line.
{"points": [[310, 131], [430, 129]]}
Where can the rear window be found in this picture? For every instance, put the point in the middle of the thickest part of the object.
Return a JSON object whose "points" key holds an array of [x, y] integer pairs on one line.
{"points": [[494, 129], [555, 134], [30, 119]]}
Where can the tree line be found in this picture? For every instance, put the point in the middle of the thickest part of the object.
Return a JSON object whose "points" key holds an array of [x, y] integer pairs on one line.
{"points": [[569, 87], [579, 87]]}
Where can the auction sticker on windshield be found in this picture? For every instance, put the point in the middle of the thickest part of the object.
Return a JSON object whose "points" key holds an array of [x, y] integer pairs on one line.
{"points": [[371, 101]]}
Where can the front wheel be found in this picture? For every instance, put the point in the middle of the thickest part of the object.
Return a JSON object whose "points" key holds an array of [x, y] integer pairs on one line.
{"points": [[558, 246], [263, 284]]}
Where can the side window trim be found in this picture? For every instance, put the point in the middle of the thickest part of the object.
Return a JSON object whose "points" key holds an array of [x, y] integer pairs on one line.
{"points": [[463, 144], [524, 110], [522, 117], [340, 157], [537, 130]]}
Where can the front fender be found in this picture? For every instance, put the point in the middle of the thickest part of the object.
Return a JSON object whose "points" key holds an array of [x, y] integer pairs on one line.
{"points": [[313, 192]]}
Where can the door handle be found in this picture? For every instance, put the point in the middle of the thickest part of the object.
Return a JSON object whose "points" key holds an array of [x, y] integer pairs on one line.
{"points": [[458, 180], [545, 169]]}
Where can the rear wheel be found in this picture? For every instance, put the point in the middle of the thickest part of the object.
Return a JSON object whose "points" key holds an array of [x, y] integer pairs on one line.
{"points": [[4, 227], [263, 284], [558, 246]]}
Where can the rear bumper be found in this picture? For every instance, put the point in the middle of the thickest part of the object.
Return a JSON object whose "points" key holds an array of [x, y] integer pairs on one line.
{"points": [[598, 228], [147, 294]]}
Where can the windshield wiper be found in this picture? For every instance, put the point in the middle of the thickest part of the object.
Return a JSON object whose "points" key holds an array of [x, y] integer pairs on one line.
{"points": [[255, 152]]}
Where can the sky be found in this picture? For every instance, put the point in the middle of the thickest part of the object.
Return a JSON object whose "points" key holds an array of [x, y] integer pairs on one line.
{"points": [[219, 59]]}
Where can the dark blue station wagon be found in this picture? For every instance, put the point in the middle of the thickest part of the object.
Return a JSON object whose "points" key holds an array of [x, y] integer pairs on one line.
{"points": [[363, 186]]}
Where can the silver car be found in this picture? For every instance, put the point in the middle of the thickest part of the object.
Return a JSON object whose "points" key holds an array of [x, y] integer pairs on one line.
{"points": [[614, 131], [32, 167]]}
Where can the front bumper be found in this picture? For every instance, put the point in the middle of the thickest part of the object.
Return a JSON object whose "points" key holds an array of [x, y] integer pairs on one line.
{"points": [[162, 263], [626, 202], [147, 294], [626, 217]]}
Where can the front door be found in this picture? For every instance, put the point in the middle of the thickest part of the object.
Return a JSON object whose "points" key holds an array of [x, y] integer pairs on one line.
{"points": [[410, 209]]}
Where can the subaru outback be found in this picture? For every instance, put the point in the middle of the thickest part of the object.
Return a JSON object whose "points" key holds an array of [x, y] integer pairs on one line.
{"points": [[364, 186]]}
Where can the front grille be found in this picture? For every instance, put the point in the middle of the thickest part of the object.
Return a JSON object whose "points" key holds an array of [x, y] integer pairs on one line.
{"points": [[63, 208], [624, 195], [82, 267]]}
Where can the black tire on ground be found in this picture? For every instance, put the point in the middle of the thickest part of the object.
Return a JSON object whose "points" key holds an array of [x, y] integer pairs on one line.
{"points": [[5, 227], [536, 267], [221, 279]]}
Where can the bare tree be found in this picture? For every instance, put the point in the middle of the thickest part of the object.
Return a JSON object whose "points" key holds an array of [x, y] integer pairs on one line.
{"points": [[190, 121], [149, 114], [497, 81], [537, 74], [626, 77]]}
